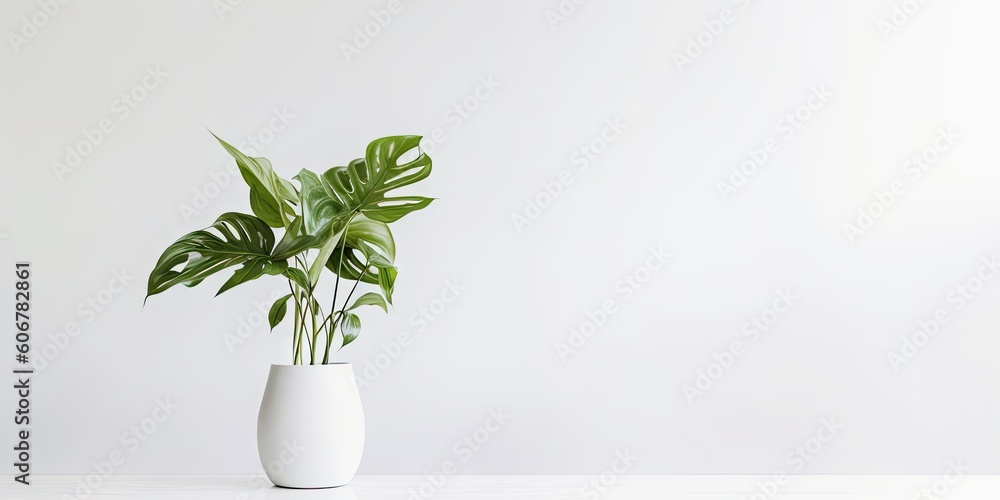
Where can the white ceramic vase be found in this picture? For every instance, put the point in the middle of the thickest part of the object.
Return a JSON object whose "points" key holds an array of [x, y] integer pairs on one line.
{"points": [[311, 427]]}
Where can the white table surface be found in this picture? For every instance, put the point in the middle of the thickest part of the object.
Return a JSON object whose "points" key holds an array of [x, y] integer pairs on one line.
{"points": [[506, 487]]}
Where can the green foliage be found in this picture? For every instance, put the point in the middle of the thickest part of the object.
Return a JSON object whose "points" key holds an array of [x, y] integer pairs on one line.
{"points": [[338, 221], [369, 299], [278, 310], [241, 239], [270, 196], [350, 327]]}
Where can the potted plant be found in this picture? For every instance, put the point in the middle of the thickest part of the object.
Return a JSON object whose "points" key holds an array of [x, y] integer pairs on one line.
{"points": [[336, 223]]}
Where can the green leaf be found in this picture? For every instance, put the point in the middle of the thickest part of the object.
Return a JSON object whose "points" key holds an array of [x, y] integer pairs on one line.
{"points": [[350, 327], [269, 194], [387, 282], [369, 299], [288, 191], [252, 270], [295, 241], [379, 261], [323, 215], [363, 185], [371, 238], [298, 277], [276, 266], [366, 240], [278, 310], [320, 206], [337, 230], [342, 193], [245, 240]]}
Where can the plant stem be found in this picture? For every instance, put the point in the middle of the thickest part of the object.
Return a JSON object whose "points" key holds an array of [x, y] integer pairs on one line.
{"points": [[308, 339], [343, 246], [337, 316], [300, 316], [305, 310], [343, 310], [315, 336], [296, 331], [330, 332], [295, 337], [343, 313], [355, 287], [329, 317]]}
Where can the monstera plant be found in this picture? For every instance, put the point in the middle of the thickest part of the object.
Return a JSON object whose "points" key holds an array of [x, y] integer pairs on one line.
{"points": [[336, 221]]}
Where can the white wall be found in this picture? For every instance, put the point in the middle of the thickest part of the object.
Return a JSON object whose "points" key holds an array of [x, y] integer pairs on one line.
{"points": [[655, 185]]}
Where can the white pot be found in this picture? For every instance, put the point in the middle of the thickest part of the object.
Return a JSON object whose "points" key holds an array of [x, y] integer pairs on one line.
{"points": [[311, 428]]}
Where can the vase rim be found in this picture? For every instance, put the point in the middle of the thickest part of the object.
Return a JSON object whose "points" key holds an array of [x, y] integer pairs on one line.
{"points": [[339, 363]]}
